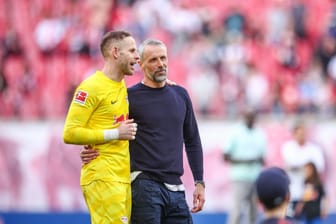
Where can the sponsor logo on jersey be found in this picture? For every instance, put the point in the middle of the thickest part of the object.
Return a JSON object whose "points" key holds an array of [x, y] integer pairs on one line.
{"points": [[124, 219], [119, 119], [81, 97]]}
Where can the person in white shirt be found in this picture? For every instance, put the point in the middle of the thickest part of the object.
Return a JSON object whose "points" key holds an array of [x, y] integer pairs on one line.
{"points": [[297, 152]]}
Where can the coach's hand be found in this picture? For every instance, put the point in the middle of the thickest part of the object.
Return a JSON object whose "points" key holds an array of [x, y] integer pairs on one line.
{"points": [[87, 154], [198, 198]]}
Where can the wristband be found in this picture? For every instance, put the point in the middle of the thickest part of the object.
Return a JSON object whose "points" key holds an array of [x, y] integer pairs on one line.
{"points": [[201, 182], [112, 134]]}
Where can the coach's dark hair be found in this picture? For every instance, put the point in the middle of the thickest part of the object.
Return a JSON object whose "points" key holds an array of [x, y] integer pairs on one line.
{"points": [[109, 37], [152, 42]]}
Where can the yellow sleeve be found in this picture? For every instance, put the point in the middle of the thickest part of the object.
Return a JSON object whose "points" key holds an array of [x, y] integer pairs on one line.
{"points": [[75, 128]]}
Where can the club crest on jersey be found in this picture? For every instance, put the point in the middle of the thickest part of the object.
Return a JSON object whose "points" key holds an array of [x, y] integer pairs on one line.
{"points": [[81, 97]]}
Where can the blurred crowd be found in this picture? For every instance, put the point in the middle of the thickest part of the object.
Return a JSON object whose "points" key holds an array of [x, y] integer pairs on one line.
{"points": [[278, 56]]}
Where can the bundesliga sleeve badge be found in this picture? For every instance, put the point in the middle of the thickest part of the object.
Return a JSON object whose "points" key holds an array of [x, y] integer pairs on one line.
{"points": [[81, 97]]}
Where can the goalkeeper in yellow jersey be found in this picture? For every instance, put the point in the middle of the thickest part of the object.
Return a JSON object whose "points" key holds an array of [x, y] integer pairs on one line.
{"points": [[98, 116]]}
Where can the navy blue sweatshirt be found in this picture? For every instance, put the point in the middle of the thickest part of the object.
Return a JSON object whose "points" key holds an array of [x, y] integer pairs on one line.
{"points": [[166, 121]]}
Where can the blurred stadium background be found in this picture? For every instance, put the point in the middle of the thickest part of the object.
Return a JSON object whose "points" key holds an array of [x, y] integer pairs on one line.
{"points": [[276, 55]]}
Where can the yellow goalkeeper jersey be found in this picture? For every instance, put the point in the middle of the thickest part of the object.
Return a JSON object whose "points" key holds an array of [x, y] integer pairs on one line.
{"points": [[99, 103]]}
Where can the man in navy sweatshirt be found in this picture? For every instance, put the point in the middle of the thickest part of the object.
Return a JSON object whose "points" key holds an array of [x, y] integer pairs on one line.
{"points": [[166, 124]]}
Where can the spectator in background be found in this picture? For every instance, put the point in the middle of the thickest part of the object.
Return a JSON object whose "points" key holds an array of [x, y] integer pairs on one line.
{"points": [[206, 79], [331, 26], [87, 33], [331, 81], [286, 52], [313, 207], [314, 92], [28, 82], [235, 22], [309, 86], [272, 186], [11, 44], [245, 152], [3, 80], [296, 153], [257, 89], [299, 16], [325, 50], [49, 33], [277, 20]]}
